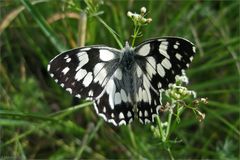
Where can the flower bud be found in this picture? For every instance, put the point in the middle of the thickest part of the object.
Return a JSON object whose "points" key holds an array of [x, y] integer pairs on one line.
{"points": [[129, 14], [143, 10]]}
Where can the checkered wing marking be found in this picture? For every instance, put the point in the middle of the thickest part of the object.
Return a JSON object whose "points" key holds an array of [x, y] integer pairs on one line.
{"points": [[115, 105], [159, 62], [83, 72], [92, 73]]}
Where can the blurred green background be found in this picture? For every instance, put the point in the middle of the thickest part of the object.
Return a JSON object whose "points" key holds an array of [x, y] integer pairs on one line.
{"points": [[39, 120]]}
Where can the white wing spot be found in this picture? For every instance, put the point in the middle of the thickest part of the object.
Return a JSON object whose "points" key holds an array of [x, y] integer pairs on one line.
{"points": [[122, 122], [155, 102], [129, 114], [153, 116], [106, 55], [68, 60], [194, 49], [159, 85], [163, 46], [103, 116], [104, 109], [160, 70], [121, 115], [100, 76], [164, 53], [165, 43], [66, 57], [112, 121], [130, 120], [175, 46], [85, 49], [97, 68], [117, 98], [112, 115], [123, 95], [62, 85], [90, 93], [69, 90], [166, 63], [145, 113], [48, 67], [139, 71], [110, 89], [147, 86], [80, 74], [51, 75], [145, 96], [83, 58], [144, 50], [150, 70], [88, 79], [178, 56], [158, 108], [78, 95], [140, 113], [191, 58], [152, 61], [118, 74], [65, 70]]}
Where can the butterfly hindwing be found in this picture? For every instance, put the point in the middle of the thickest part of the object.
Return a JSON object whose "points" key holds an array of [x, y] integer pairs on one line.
{"points": [[115, 105]]}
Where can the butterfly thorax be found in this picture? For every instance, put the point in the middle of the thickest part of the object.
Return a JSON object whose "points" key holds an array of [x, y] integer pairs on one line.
{"points": [[127, 58]]}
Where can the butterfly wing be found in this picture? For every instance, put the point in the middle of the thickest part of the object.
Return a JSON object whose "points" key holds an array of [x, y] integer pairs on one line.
{"points": [[115, 105], [92, 73], [159, 61]]}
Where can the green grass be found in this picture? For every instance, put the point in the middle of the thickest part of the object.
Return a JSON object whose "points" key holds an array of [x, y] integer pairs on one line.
{"points": [[39, 120]]}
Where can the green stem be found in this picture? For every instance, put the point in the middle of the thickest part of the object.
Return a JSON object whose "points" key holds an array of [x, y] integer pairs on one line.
{"points": [[169, 124], [132, 137], [170, 153], [114, 34], [135, 34], [162, 134]]}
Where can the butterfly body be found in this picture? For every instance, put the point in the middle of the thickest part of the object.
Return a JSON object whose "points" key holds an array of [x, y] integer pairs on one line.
{"points": [[123, 82]]}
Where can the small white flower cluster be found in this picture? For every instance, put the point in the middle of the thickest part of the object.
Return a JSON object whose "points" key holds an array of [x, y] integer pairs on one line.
{"points": [[183, 78], [139, 18], [177, 91]]}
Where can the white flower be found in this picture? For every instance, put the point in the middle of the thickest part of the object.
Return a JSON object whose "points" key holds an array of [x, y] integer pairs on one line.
{"points": [[129, 14], [143, 10]]}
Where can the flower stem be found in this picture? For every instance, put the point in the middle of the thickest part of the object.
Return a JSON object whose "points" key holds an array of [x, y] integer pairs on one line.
{"points": [[135, 34]]}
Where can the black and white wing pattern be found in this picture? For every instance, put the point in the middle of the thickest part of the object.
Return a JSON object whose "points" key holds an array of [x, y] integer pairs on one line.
{"points": [[122, 82], [93, 73], [159, 61]]}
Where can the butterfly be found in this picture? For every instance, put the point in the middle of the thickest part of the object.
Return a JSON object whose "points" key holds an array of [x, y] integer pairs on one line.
{"points": [[125, 83]]}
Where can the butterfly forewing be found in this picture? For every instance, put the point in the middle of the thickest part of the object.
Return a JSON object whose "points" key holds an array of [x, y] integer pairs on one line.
{"points": [[83, 71]]}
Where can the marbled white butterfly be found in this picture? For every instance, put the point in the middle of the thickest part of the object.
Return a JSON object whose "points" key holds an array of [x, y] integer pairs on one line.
{"points": [[123, 83]]}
